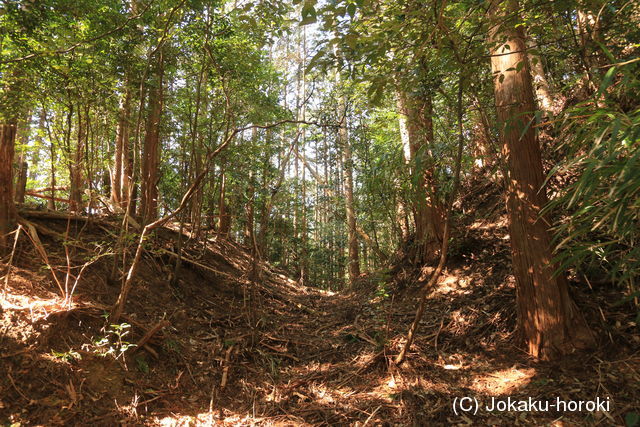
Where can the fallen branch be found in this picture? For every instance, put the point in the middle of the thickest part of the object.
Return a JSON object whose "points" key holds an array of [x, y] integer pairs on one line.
{"points": [[10, 263], [279, 351], [44, 196], [225, 370], [48, 232], [196, 263], [150, 333], [33, 213], [33, 236]]}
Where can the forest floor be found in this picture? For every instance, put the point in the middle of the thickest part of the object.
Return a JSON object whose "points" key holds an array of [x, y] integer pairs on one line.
{"points": [[268, 351]]}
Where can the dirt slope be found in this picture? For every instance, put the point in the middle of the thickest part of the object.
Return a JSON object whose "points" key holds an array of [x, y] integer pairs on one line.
{"points": [[266, 351]]}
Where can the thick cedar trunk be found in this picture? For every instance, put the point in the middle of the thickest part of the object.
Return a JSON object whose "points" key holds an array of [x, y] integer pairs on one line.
{"points": [[548, 320], [151, 149], [417, 112], [7, 206]]}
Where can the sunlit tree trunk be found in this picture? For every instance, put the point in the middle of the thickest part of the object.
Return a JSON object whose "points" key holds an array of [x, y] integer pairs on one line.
{"points": [[482, 145], [121, 173], [541, 85], [401, 210], [548, 320], [151, 148]]}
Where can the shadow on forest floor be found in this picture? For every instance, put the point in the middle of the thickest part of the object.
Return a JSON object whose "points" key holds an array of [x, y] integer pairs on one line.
{"points": [[271, 352]]}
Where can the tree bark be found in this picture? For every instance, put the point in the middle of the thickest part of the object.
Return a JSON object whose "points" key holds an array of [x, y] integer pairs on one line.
{"points": [[23, 166], [121, 173], [224, 220], [541, 85], [428, 213], [151, 149], [21, 180], [7, 205], [76, 179], [352, 234], [548, 320], [51, 204]]}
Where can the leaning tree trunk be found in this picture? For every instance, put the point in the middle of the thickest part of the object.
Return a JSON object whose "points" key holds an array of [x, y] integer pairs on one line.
{"points": [[151, 149], [548, 320], [7, 206]]}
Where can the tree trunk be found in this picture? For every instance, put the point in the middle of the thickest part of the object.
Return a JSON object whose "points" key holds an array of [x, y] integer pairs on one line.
{"points": [[541, 85], [151, 149], [428, 212], [21, 180], [76, 179], [7, 205], [548, 320], [121, 174], [51, 203], [23, 167], [224, 221], [347, 160], [401, 208]]}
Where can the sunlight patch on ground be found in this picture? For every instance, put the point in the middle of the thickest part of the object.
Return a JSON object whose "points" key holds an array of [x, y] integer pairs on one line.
{"points": [[502, 382], [482, 224], [37, 307], [456, 282]]}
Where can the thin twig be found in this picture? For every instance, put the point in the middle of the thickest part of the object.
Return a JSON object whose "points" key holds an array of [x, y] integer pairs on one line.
{"points": [[10, 263]]}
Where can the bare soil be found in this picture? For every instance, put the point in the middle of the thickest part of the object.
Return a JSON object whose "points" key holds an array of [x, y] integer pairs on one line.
{"points": [[247, 346]]}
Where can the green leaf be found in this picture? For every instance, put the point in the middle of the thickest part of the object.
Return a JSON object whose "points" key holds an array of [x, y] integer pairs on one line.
{"points": [[351, 10], [308, 20], [319, 54], [351, 40], [309, 9], [142, 364], [606, 81], [632, 419]]}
